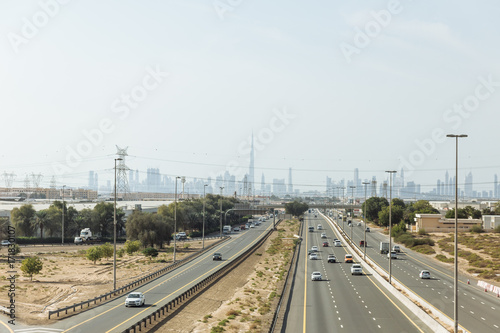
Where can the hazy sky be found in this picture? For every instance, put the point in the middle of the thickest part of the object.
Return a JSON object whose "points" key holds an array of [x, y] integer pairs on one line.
{"points": [[325, 86]]}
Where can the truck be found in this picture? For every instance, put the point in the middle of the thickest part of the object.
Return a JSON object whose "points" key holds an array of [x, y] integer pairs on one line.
{"points": [[384, 247], [226, 229], [86, 236]]}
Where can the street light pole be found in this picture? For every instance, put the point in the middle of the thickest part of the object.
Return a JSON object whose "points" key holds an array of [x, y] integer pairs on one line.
{"points": [[343, 204], [175, 218], [390, 223], [364, 220], [62, 237], [220, 226], [204, 204], [455, 281], [114, 231], [353, 201]]}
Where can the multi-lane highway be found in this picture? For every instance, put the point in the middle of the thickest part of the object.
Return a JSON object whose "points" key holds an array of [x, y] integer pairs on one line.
{"points": [[478, 311], [114, 317], [341, 301]]}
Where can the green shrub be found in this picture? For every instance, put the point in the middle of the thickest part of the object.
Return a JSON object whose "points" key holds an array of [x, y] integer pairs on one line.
{"points": [[477, 229], [422, 232], [132, 247], [444, 258], [150, 252], [497, 230]]}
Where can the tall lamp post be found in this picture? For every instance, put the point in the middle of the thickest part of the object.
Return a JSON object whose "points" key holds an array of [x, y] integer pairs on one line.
{"points": [[175, 218], [204, 204], [455, 281], [390, 223], [62, 236], [353, 201], [364, 219], [220, 223], [114, 231], [343, 204]]}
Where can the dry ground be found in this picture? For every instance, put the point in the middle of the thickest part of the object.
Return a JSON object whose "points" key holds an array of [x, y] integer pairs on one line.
{"points": [[68, 278]]}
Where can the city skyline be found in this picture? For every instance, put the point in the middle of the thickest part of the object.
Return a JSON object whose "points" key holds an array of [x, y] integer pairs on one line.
{"points": [[320, 88]]}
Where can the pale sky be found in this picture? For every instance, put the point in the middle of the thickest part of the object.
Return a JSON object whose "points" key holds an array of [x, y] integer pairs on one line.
{"points": [[325, 87]]}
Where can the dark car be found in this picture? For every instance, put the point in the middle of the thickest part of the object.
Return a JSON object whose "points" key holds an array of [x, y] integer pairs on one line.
{"points": [[325, 244], [362, 243], [332, 258], [217, 256]]}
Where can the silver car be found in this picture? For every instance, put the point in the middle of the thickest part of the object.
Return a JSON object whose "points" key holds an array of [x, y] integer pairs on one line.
{"points": [[316, 276], [135, 299]]}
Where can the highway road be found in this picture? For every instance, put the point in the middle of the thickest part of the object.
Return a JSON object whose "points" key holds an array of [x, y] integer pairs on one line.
{"points": [[115, 317], [478, 311], [340, 302]]}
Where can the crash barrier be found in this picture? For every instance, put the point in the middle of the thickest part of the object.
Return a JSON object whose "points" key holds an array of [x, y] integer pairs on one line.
{"points": [[147, 278], [285, 292], [151, 320]]}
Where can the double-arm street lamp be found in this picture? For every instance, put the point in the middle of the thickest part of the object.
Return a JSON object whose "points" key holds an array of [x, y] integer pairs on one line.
{"points": [[114, 231], [175, 218], [390, 223], [204, 204], [455, 281], [364, 220], [62, 237], [353, 201], [220, 226]]}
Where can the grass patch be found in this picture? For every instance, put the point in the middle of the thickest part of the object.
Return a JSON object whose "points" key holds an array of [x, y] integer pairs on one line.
{"points": [[444, 258]]}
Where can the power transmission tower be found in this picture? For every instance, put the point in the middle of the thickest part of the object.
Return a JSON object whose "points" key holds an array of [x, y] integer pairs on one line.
{"points": [[121, 173], [36, 179], [8, 178], [374, 188], [53, 182]]}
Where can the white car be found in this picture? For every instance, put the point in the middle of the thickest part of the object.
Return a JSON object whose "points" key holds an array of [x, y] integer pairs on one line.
{"points": [[338, 243], [236, 229], [78, 240], [320, 227], [316, 276], [313, 256], [314, 248], [396, 248], [5, 243], [356, 269], [135, 299], [252, 225], [425, 275], [323, 235], [392, 255]]}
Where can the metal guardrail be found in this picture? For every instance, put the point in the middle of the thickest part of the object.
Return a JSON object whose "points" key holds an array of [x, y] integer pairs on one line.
{"points": [[136, 283], [285, 285], [186, 296]]}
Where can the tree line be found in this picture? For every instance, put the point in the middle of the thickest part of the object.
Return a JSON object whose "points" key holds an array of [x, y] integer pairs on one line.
{"points": [[149, 228]]}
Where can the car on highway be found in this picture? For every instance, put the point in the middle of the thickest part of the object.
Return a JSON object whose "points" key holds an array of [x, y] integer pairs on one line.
{"points": [[316, 276], [311, 228], [367, 229], [326, 244], [362, 243], [356, 269], [332, 258], [78, 240], [135, 299], [396, 248], [319, 227], [323, 235], [236, 229], [5, 242], [217, 256], [313, 256], [242, 227], [338, 243], [247, 225], [314, 248], [252, 225], [424, 274], [348, 258], [392, 255]]}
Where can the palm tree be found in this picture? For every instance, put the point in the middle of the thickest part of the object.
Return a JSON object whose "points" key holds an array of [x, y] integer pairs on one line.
{"points": [[40, 220]]}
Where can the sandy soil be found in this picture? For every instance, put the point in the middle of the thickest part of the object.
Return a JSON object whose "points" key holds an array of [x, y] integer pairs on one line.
{"points": [[68, 277]]}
